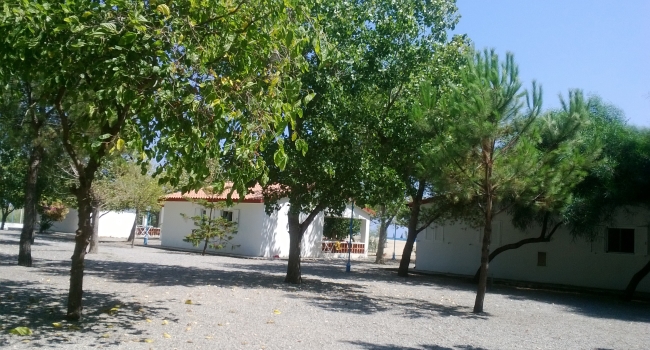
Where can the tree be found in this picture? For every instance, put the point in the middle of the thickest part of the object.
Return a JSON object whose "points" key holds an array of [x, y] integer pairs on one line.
{"points": [[385, 214], [492, 154], [619, 181], [51, 212], [214, 230], [180, 82], [415, 149], [376, 48], [570, 151], [121, 185]]}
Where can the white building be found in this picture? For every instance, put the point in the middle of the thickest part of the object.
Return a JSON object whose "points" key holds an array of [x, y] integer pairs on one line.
{"points": [[258, 234], [111, 223], [607, 263]]}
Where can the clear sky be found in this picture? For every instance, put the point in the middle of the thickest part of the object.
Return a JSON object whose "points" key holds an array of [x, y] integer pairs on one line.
{"points": [[601, 47]]}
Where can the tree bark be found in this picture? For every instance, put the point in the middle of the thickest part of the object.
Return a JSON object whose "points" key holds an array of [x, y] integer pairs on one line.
{"points": [[94, 240], [383, 235], [135, 223], [487, 147], [412, 231], [295, 247], [5, 215], [31, 200], [543, 238], [634, 282], [82, 239]]}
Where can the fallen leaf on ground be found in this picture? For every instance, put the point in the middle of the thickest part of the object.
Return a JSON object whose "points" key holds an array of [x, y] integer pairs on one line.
{"points": [[188, 301], [22, 331], [148, 340], [106, 335], [166, 335], [165, 322], [57, 324], [277, 312], [148, 320]]}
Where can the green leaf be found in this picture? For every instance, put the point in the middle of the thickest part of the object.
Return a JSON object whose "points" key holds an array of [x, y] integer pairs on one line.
{"points": [[308, 98], [302, 146], [110, 27], [280, 158], [105, 136], [163, 9], [128, 38], [22, 331]]}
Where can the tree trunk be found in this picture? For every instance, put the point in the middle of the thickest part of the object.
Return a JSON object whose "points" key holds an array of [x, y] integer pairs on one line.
{"points": [[383, 235], [205, 246], [412, 231], [487, 228], [82, 239], [31, 200], [295, 247], [5, 215], [135, 223], [634, 282], [541, 239], [94, 240]]}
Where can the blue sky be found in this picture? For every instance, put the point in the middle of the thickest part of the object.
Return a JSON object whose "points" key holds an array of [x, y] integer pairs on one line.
{"points": [[601, 47]]}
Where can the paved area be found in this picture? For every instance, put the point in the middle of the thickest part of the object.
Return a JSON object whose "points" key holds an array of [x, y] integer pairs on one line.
{"points": [[149, 298]]}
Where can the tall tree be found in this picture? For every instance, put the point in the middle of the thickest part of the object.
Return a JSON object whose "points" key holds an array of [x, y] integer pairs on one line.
{"points": [[570, 150], [492, 155], [179, 82], [376, 48]]}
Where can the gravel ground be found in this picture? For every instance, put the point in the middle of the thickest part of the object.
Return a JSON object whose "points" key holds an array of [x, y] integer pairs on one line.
{"points": [[138, 298]]}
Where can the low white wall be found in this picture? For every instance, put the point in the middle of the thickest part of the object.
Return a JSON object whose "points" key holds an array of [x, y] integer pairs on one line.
{"points": [[111, 224], [116, 224], [456, 249], [69, 223]]}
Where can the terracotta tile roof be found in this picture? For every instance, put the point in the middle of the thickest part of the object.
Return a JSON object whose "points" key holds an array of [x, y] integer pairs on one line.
{"points": [[254, 195]]}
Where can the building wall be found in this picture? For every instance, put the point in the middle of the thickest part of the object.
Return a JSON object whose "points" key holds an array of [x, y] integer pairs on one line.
{"points": [[116, 224], [250, 237], [111, 224], [258, 234], [456, 248]]}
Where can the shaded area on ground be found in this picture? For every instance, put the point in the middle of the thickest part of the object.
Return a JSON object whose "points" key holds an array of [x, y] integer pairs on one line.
{"points": [[107, 318]]}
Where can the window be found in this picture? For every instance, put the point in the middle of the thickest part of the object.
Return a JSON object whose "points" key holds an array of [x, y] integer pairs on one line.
{"points": [[226, 215], [620, 240], [541, 258]]}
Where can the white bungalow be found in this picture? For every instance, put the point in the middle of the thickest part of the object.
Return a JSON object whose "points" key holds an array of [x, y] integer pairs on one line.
{"points": [[258, 234], [607, 263]]}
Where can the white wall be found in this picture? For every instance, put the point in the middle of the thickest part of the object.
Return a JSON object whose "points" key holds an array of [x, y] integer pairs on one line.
{"points": [[116, 224], [456, 249], [111, 224], [249, 238], [69, 224]]}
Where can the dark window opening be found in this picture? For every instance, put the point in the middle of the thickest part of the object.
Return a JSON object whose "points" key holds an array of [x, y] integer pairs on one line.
{"points": [[541, 258], [226, 215], [620, 240]]}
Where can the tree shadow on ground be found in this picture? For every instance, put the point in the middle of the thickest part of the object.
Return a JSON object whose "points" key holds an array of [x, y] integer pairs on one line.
{"points": [[327, 287], [361, 272], [108, 319], [334, 296], [366, 345]]}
